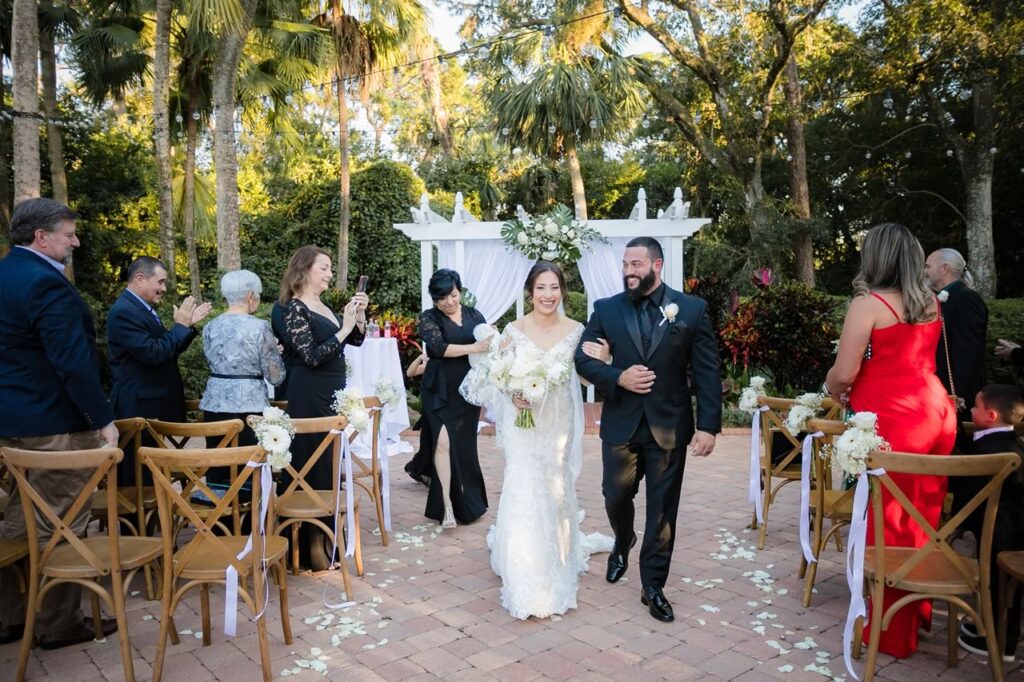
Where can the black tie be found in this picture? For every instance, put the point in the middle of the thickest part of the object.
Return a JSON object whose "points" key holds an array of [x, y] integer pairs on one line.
{"points": [[646, 327]]}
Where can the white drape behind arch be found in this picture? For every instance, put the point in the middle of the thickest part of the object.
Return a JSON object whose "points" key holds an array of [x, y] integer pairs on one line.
{"points": [[601, 269], [493, 272]]}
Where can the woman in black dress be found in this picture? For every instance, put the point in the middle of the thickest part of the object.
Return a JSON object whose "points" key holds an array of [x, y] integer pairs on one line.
{"points": [[315, 339], [456, 483]]}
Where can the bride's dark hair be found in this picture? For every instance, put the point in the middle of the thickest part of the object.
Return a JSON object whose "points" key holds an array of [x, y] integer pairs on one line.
{"points": [[539, 268]]}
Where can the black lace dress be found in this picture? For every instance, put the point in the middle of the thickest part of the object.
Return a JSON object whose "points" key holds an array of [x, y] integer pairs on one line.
{"points": [[316, 372], [444, 407]]}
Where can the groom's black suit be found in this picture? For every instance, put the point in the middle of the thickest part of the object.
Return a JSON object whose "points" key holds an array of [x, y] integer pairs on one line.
{"points": [[645, 436]]}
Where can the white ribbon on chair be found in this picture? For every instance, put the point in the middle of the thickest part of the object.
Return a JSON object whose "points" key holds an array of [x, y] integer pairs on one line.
{"points": [[341, 441], [385, 470], [806, 452], [855, 564], [231, 574], [754, 490]]}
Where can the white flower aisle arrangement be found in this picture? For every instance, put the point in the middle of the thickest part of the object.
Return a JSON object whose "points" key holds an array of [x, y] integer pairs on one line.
{"points": [[807, 406], [274, 434], [750, 394], [850, 450], [348, 403], [386, 392], [556, 235]]}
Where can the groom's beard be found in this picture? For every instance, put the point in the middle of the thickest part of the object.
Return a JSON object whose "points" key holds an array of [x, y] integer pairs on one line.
{"points": [[646, 282]]}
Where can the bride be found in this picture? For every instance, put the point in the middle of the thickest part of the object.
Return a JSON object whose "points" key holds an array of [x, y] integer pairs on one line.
{"points": [[536, 545]]}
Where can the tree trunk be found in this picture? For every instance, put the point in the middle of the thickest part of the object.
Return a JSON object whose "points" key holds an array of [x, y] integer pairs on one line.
{"points": [[54, 136], [435, 98], [978, 167], [188, 196], [344, 176], [5, 187], [800, 195], [24, 58], [162, 135], [755, 203], [579, 192], [225, 159]]}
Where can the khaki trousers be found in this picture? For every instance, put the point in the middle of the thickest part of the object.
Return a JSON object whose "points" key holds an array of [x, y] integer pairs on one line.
{"points": [[60, 613]]}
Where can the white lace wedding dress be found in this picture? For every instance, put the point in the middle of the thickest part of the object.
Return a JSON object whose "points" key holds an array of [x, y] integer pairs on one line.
{"points": [[536, 545]]}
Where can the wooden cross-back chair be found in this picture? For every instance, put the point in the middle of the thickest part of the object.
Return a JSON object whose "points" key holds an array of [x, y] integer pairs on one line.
{"points": [[176, 436], [826, 504], [368, 477], [67, 558], [205, 558], [12, 550], [934, 571], [195, 414], [786, 468], [301, 503]]}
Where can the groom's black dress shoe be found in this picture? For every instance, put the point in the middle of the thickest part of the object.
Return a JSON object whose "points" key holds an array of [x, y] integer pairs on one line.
{"points": [[654, 600], [617, 562]]}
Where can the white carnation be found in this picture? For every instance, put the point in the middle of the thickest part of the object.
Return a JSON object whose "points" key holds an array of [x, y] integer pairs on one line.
{"points": [[865, 421]]}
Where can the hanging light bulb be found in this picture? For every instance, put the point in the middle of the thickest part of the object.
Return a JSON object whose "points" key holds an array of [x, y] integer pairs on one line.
{"points": [[288, 99], [750, 159], [646, 123], [552, 129], [868, 156], [964, 94], [907, 155], [758, 115], [993, 150], [697, 117], [195, 116], [789, 157], [593, 124], [178, 118], [505, 131], [888, 101], [485, 52], [949, 153], [430, 134], [828, 157]]}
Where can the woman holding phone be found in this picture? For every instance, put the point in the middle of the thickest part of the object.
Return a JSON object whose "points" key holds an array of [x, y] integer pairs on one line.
{"points": [[315, 337]]}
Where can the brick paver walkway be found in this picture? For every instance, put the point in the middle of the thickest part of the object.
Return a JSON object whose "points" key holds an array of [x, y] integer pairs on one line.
{"points": [[429, 607]]}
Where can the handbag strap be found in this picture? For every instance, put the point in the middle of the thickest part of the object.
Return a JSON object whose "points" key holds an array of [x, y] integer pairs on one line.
{"points": [[945, 345]]}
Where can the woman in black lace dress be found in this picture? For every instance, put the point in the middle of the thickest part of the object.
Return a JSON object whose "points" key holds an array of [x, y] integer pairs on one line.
{"points": [[456, 483], [315, 338]]}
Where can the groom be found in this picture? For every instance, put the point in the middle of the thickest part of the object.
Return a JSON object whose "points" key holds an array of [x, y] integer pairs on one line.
{"points": [[663, 352]]}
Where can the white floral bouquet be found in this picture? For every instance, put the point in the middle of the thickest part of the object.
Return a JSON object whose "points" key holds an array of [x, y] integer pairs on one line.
{"points": [[556, 235], [750, 394], [807, 406], [385, 391], [525, 372], [274, 434], [348, 403], [850, 450]]}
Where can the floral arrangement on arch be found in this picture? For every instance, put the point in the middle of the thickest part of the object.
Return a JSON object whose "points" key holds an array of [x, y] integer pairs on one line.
{"points": [[274, 434], [555, 235], [850, 450]]}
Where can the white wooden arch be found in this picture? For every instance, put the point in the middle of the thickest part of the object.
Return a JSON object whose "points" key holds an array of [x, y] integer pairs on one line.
{"points": [[671, 227]]}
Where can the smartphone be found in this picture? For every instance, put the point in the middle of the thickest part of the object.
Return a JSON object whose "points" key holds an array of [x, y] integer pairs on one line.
{"points": [[361, 284]]}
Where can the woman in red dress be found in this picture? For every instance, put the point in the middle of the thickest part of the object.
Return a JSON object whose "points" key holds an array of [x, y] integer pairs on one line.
{"points": [[886, 364]]}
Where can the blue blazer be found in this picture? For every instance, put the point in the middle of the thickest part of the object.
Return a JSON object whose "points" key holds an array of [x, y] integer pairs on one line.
{"points": [[49, 365], [684, 357], [144, 362]]}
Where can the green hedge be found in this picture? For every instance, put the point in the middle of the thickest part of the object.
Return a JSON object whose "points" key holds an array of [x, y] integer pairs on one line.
{"points": [[1005, 321]]}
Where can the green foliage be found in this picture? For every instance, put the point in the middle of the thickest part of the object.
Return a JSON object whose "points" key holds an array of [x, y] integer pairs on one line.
{"points": [[787, 328], [1005, 321]]}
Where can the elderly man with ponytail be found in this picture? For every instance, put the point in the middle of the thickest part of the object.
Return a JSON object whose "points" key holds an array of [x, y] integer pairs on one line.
{"points": [[966, 323]]}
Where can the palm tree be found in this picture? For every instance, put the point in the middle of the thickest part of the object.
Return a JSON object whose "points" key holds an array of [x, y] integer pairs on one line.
{"points": [[363, 44], [24, 53], [5, 188], [551, 94], [162, 133]]}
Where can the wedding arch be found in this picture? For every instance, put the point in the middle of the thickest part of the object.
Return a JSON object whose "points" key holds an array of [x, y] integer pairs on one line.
{"points": [[495, 272]]}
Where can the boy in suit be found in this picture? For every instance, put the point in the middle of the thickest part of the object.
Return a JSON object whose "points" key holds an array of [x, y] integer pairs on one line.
{"points": [[997, 409]]}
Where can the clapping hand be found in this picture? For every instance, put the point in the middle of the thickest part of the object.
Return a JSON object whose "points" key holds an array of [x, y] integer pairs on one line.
{"points": [[599, 350], [1004, 349], [190, 313]]}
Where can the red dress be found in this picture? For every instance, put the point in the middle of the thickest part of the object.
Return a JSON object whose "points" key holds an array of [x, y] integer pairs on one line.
{"points": [[898, 383]]}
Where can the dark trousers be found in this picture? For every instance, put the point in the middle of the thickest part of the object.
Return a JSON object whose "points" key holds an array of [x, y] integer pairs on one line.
{"points": [[624, 466]]}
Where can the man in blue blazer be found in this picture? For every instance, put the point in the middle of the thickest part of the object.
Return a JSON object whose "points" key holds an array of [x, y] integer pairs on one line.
{"points": [[664, 352], [144, 354], [50, 398]]}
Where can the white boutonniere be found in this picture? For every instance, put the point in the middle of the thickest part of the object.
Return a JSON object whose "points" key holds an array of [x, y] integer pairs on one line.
{"points": [[669, 313], [943, 296]]}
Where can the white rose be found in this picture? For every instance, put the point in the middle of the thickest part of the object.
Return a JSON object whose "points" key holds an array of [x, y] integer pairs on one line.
{"points": [[757, 383], [865, 421], [670, 311], [271, 412], [522, 239], [571, 234], [548, 255], [943, 296], [279, 460]]}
